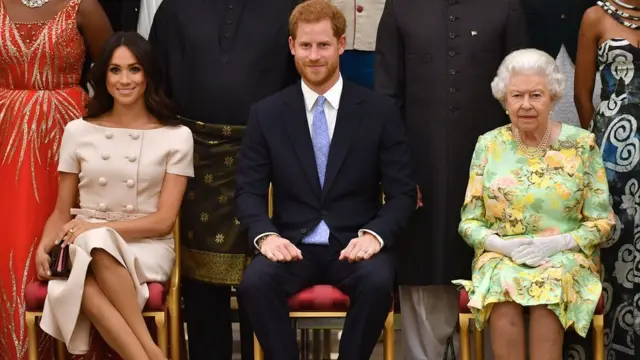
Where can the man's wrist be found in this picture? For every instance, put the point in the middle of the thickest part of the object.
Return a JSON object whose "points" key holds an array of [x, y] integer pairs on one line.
{"points": [[260, 239], [363, 232]]}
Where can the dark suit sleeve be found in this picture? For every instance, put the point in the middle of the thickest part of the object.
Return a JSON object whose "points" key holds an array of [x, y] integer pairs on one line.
{"points": [[515, 37], [395, 170], [253, 178], [389, 54]]}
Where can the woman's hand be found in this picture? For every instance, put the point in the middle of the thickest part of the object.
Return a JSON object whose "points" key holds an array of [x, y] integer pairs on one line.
{"points": [[72, 229], [42, 264]]}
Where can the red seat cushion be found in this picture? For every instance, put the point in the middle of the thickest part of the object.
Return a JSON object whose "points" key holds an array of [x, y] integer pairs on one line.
{"points": [[36, 292], [464, 300], [319, 298]]}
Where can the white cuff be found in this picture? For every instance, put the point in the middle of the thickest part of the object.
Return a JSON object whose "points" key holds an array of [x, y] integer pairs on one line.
{"points": [[255, 241], [362, 231]]}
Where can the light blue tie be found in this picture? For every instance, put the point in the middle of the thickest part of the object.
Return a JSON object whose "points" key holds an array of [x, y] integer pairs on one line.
{"points": [[321, 143]]}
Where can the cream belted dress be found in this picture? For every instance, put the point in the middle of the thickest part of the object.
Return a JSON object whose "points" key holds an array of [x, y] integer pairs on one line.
{"points": [[120, 175]]}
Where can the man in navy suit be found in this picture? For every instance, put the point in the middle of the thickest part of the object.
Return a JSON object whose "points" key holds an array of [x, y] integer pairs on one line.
{"points": [[329, 148]]}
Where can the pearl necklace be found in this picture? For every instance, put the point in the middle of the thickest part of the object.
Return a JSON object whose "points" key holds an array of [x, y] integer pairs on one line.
{"points": [[34, 3], [529, 151]]}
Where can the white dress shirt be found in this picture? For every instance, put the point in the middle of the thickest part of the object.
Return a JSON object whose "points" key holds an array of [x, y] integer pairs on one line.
{"points": [[331, 106]]}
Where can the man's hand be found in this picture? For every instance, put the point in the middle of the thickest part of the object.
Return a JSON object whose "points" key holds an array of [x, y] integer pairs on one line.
{"points": [[278, 249], [361, 248]]}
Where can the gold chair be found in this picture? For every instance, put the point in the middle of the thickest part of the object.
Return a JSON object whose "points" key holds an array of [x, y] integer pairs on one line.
{"points": [[168, 310], [388, 335]]}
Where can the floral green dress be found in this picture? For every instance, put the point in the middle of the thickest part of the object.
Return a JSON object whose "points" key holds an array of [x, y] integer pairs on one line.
{"points": [[564, 191]]}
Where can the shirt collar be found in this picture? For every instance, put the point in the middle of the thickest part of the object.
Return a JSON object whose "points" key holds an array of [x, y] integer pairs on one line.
{"points": [[332, 95]]}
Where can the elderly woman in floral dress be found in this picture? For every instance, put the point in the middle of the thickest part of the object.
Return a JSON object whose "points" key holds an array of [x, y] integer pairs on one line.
{"points": [[536, 210]]}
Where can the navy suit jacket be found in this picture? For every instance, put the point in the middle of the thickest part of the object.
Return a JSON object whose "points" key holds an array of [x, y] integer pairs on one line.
{"points": [[368, 153]]}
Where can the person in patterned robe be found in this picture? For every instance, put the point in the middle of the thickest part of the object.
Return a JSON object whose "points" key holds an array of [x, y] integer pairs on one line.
{"points": [[610, 44], [214, 76], [536, 211]]}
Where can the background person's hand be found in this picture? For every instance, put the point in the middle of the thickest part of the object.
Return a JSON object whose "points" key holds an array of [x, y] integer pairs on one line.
{"points": [[278, 249]]}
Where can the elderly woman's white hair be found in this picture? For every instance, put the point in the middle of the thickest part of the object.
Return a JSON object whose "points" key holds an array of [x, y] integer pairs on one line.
{"points": [[528, 61]]}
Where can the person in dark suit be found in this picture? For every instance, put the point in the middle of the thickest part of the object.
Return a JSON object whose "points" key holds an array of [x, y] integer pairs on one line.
{"points": [[326, 146]]}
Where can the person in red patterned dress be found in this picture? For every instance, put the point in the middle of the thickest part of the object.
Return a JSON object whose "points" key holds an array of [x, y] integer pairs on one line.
{"points": [[42, 48]]}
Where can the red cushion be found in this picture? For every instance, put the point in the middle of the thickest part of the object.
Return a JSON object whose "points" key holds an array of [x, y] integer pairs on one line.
{"points": [[36, 292], [319, 298], [464, 300]]}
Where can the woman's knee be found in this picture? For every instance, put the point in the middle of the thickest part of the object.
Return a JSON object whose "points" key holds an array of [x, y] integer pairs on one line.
{"points": [[506, 316], [546, 320], [101, 259]]}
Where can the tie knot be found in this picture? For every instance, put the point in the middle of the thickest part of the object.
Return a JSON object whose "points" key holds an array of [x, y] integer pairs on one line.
{"points": [[320, 101]]}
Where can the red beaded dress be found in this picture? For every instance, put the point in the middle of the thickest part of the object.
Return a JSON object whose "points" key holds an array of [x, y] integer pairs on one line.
{"points": [[40, 70]]}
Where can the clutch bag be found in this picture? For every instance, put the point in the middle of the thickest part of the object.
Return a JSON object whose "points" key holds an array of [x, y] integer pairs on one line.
{"points": [[59, 264]]}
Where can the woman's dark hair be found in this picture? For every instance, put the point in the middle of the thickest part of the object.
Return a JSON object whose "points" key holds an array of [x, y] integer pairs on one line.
{"points": [[155, 100]]}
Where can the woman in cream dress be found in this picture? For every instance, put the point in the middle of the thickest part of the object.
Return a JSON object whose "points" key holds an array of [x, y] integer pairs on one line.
{"points": [[127, 166]]}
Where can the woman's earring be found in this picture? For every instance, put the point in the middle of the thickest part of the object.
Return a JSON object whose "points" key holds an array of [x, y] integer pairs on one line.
{"points": [[507, 112]]}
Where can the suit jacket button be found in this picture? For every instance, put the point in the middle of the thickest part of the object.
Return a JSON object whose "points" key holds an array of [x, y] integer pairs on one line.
{"points": [[303, 231], [324, 212]]}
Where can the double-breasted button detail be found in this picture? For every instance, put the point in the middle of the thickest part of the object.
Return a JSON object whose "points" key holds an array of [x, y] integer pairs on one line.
{"points": [[130, 183], [108, 135], [134, 136], [132, 158], [102, 207], [129, 208], [102, 181], [105, 156]]}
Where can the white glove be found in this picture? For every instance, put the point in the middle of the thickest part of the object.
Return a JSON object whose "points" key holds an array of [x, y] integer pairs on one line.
{"points": [[542, 248], [505, 247]]}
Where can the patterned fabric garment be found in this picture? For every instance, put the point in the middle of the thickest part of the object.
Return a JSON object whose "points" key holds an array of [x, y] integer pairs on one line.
{"points": [[615, 125], [214, 247], [41, 67], [564, 191]]}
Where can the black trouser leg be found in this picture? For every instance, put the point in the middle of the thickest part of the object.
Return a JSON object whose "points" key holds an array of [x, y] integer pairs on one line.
{"points": [[263, 294], [246, 335], [369, 285], [208, 318]]}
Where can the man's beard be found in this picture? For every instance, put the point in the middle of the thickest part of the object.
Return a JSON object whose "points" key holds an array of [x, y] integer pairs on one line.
{"points": [[315, 80]]}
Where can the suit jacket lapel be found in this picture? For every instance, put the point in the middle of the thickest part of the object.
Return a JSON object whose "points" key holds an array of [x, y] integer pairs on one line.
{"points": [[347, 124], [300, 136]]}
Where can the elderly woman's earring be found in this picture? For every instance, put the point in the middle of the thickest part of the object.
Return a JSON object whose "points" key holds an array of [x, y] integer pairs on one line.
{"points": [[507, 112]]}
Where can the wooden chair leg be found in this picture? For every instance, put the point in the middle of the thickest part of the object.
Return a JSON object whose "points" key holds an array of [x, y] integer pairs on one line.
{"points": [[175, 332], [32, 336], [465, 347], [161, 328], [478, 340], [598, 337], [61, 350], [388, 338], [257, 349]]}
